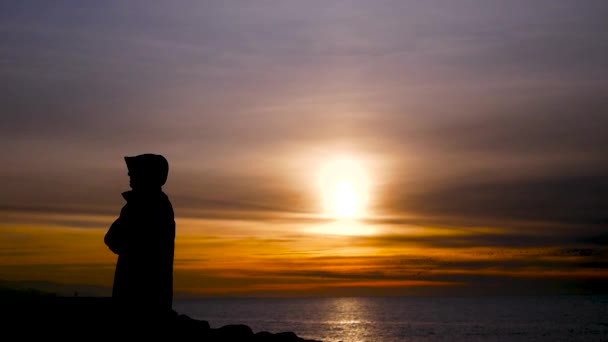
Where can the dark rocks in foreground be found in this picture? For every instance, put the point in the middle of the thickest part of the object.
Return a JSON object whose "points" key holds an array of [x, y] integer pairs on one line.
{"points": [[95, 318]]}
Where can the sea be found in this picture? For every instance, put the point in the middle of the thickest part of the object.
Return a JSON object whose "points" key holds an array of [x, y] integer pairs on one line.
{"points": [[389, 319]]}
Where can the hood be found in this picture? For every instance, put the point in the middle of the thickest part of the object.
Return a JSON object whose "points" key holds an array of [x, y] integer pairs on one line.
{"points": [[152, 167]]}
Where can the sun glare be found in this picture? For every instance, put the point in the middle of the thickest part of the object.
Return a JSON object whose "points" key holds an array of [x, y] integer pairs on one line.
{"points": [[343, 185]]}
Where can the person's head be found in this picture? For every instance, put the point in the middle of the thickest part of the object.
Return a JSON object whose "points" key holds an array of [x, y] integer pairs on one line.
{"points": [[147, 171]]}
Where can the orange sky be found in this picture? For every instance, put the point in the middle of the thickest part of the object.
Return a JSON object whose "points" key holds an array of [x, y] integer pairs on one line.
{"points": [[252, 258]]}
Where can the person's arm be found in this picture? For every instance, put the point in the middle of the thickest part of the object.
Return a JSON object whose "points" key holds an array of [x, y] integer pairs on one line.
{"points": [[115, 237]]}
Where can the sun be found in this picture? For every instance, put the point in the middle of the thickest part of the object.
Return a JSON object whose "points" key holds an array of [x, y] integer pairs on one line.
{"points": [[344, 188]]}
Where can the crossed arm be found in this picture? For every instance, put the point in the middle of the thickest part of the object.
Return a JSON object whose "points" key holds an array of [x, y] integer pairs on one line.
{"points": [[116, 236], [132, 233]]}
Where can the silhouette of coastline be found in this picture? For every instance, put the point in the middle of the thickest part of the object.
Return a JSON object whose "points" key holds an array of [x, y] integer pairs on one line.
{"points": [[34, 314], [143, 237]]}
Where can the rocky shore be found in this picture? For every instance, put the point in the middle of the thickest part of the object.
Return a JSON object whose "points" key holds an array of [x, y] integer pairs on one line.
{"points": [[81, 318]]}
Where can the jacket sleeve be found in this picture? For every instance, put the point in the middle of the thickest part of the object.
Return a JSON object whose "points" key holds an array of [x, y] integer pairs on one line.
{"points": [[116, 235]]}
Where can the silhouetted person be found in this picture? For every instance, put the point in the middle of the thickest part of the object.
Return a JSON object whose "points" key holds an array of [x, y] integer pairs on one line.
{"points": [[143, 237]]}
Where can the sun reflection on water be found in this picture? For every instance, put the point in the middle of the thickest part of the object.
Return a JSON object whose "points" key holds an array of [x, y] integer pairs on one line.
{"points": [[348, 318]]}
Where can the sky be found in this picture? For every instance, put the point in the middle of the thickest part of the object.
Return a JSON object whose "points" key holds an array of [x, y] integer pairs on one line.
{"points": [[479, 127]]}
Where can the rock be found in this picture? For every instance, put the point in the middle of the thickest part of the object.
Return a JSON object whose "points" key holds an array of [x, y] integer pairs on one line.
{"points": [[286, 337], [263, 336], [187, 322], [233, 332]]}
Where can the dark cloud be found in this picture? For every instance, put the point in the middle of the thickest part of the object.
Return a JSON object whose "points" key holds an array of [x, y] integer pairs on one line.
{"points": [[600, 239], [577, 199], [477, 239]]}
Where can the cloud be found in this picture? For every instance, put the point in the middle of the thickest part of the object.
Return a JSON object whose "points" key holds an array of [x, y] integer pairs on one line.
{"points": [[577, 199]]}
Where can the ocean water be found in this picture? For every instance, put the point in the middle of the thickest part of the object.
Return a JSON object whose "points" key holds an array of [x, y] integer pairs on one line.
{"points": [[543, 318]]}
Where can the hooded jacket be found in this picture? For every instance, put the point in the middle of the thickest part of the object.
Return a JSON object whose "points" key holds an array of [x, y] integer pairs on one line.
{"points": [[143, 237]]}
